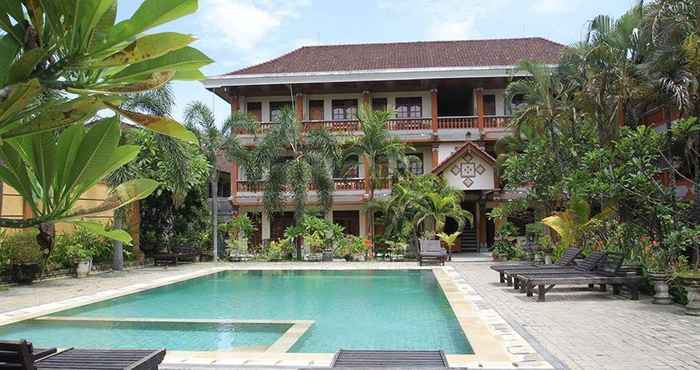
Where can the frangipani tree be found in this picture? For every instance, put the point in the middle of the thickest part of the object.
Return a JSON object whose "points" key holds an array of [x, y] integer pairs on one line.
{"points": [[61, 62], [51, 173]]}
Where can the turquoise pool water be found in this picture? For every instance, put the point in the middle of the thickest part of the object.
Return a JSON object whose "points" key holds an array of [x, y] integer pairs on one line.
{"points": [[371, 309]]}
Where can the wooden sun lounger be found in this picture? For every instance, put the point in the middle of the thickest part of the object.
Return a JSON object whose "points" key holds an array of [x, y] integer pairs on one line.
{"points": [[178, 255], [607, 274], [588, 264], [389, 359], [431, 251], [567, 259], [21, 355]]}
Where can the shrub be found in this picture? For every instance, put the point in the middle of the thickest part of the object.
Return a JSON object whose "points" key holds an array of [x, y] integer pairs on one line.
{"points": [[351, 245], [317, 233], [503, 248], [279, 250], [20, 247], [70, 248]]}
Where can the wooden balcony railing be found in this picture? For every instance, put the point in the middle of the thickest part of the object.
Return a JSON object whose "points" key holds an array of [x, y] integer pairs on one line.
{"points": [[405, 124], [496, 121], [340, 184], [335, 126], [349, 184], [458, 122], [401, 124]]}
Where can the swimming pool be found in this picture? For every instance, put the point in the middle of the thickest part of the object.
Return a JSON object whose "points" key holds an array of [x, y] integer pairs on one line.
{"points": [[232, 310]]}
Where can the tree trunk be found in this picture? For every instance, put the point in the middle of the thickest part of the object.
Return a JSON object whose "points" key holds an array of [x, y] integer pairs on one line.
{"points": [[695, 211], [117, 246], [215, 218]]}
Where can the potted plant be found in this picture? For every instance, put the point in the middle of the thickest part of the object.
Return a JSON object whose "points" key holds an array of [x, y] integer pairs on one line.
{"points": [[352, 248], [449, 240], [397, 249], [22, 254], [689, 238], [79, 257], [656, 263]]}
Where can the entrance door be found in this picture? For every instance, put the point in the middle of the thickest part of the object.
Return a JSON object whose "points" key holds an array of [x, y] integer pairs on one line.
{"points": [[279, 223], [468, 239], [350, 220]]}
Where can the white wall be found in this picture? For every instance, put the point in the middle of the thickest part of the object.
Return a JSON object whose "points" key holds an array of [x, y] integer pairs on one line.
{"points": [[500, 100], [485, 181]]}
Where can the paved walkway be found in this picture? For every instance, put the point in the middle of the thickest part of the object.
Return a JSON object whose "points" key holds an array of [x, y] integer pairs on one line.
{"points": [[595, 330], [582, 329]]}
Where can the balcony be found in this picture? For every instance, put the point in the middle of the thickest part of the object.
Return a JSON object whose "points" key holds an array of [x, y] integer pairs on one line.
{"points": [[347, 184], [405, 124]]}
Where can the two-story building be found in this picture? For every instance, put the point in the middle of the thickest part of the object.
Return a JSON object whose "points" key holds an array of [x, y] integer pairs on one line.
{"points": [[449, 103]]}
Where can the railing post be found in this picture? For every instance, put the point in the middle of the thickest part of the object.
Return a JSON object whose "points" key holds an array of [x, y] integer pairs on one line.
{"points": [[299, 106], [434, 112], [480, 108]]}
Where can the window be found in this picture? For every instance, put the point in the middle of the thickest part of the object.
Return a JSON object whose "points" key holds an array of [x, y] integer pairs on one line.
{"points": [[276, 108], [379, 104], [409, 107], [490, 105], [415, 164], [350, 169], [254, 110], [223, 188], [344, 109], [516, 102], [316, 110]]}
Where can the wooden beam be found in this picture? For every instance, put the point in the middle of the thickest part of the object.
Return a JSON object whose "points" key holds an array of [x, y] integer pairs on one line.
{"points": [[299, 106], [480, 108], [434, 112]]}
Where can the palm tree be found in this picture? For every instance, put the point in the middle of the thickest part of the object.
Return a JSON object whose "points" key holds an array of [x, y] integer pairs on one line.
{"points": [[435, 207], [377, 147], [546, 107], [213, 140], [292, 161]]}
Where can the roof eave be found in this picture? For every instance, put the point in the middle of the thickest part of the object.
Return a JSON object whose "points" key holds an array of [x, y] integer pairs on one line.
{"points": [[363, 75]]}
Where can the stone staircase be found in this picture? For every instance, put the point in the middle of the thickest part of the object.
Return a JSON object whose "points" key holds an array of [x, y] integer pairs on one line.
{"points": [[468, 240]]}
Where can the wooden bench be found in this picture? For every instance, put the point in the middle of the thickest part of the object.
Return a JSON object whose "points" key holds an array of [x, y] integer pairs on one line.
{"points": [[20, 355], [389, 359], [178, 255]]}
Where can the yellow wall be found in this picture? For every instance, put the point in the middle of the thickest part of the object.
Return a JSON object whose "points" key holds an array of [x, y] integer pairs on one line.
{"points": [[12, 206]]}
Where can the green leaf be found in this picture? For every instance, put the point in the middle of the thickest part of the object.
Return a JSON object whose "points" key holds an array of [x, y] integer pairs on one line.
{"points": [[122, 195], [17, 170], [88, 14], [12, 8], [8, 52], [99, 229], [22, 94], [189, 75], [150, 14], [95, 152], [67, 149], [76, 110], [23, 67], [146, 47], [155, 81], [121, 156], [186, 58], [163, 125]]}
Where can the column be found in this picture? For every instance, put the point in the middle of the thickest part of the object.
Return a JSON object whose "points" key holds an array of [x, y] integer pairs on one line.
{"points": [[234, 181], [299, 106], [365, 99], [436, 152], [480, 108], [265, 221], [477, 224], [434, 112], [234, 101]]}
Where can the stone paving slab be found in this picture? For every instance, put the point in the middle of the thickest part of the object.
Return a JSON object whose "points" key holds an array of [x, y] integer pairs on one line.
{"points": [[594, 330]]}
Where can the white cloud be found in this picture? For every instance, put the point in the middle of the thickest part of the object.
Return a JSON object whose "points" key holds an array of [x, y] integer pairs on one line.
{"points": [[245, 24], [454, 29], [552, 6]]}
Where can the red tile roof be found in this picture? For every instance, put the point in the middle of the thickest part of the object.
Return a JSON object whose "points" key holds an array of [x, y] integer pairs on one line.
{"points": [[401, 55]]}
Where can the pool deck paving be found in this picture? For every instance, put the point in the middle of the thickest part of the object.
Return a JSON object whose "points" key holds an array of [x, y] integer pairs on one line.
{"points": [[576, 329]]}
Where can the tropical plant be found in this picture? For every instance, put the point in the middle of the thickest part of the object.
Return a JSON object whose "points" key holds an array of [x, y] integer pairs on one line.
{"points": [[62, 61], [436, 207], [572, 223], [51, 173], [19, 248], [449, 239], [177, 166], [377, 148], [238, 227], [291, 161], [213, 141], [316, 232]]}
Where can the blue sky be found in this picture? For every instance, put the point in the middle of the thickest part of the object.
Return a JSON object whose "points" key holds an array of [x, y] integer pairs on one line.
{"points": [[238, 33]]}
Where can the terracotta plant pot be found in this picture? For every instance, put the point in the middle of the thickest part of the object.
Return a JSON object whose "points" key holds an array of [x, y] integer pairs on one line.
{"points": [[692, 285], [660, 280]]}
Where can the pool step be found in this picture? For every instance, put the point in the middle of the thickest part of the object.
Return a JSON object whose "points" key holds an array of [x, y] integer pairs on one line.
{"points": [[396, 359]]}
